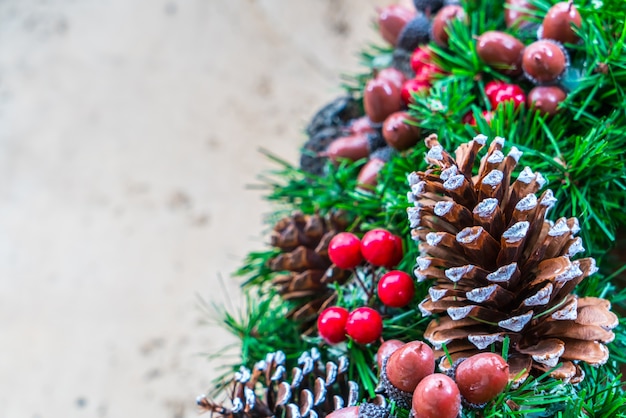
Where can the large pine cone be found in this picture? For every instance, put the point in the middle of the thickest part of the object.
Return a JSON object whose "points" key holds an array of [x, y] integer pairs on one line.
{"points": [[308, 271], [312, 389], [500, 268]]}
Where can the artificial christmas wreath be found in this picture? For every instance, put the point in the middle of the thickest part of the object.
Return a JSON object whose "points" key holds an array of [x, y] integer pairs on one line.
{"points": [[416, 269]]}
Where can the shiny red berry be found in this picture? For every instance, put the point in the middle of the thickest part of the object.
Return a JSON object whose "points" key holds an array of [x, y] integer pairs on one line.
{"points": [[482, 377], [429, 73], [331, 324], [344, 250], [420, 57], [414, 86], [436, 396], [364, 325], [396, 289], [492, 87], [381, 248], [507, 92]]}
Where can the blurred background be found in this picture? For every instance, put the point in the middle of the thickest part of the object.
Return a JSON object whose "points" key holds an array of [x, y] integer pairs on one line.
{"points": [[129, 131]]}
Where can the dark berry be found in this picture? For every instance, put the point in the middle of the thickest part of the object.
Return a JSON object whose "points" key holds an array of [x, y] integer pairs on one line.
{"points": [[344, 250], [368, 175], [559, 22], [544, 61], [380, 248], [393, 75], [409, 364], [441, 23], [391, 20], [331, 324], [482, 377], [385, 350], [516, 13], [436, 396], [546, 99], [415, 33], [400, 131], [364, 325], [396, 289], [428, 7], [380, 99], [414, 87], [351, 148], [501, 51]]}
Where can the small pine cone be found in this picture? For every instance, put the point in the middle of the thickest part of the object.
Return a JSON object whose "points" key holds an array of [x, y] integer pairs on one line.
{"points": [[304, 240], [313, 389], [500, 269]]}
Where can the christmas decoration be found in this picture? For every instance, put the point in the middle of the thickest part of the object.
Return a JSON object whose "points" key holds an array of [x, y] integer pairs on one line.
{"points": [[396, 289], [344, 250], [331, 324], [500, 269], [482, 377], [364, 325], [405, 368], [526, 294], [436, 396], [268, 390], [366, 410], [560, 21], [381, 248]]}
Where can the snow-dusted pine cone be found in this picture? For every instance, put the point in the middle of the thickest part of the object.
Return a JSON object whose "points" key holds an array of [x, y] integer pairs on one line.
{"points": [[306, 270], [500, 269], [312, 389]]}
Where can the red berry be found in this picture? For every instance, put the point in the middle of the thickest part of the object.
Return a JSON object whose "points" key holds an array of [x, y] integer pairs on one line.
{"points": [[414, 86], [420, 57], [344, 250], [482, 377], [488, 116], [505, 92], [364, 325], [396, 289], [386, 349], [331, 324], [428, 73], [380, 248], [436, 396], [409, 364], [492, 87]]}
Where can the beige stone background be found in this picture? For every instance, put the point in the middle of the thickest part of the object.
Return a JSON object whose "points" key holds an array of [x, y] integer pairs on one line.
{"points": [[129, 130]]}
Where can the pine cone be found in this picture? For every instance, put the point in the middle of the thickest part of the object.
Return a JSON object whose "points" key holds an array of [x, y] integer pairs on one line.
{"points": [[304, 241], [500, 269], [313, 389]]}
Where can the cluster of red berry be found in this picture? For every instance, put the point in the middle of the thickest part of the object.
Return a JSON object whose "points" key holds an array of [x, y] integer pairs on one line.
{"points": [[543, 62], [410, 368], [379, 248]]}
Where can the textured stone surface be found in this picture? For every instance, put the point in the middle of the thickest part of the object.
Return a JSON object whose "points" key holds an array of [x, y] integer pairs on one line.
{"points": [[129, 130]]}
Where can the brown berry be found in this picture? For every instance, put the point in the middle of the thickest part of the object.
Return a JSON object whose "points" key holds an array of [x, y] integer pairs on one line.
{"points": [[400, 132], [482, 377], [546, 99], [544, 61], [441, 23], [501, 51], [437, 396], [516, 13], [348, 412], [368, 176], [393, 75], [380, 99], [352, 147], [408, 365], [558, 23], [386, 349], [391, 20]]}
